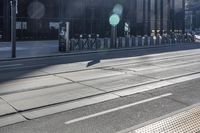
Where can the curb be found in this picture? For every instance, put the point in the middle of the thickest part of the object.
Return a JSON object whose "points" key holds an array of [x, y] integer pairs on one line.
{"points": [[94, 52]]}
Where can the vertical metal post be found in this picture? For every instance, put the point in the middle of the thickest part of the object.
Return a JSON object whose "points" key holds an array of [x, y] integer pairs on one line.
{"points": [[144, 16], [135, 29], [113, 36], [156, 16], [169, 16], [67, 36], [149, 17], [13, 27], [183, 10], [173, 15], [161, 17]]}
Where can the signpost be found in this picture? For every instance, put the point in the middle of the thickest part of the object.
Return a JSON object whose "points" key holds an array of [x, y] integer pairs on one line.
{"points": [[13, 4], [114, 21]]}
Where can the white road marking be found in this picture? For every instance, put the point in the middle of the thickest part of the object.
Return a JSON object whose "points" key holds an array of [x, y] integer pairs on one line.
{"points": [[116, 109], [12, 65]]}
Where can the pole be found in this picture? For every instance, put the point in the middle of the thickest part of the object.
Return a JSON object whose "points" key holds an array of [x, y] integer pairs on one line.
{"points": [[156, 16], [173, 15], [13, 27], [149, 17], [113, 36], [144, 17], [161, 17], [183, 24], [67, 36], [169, 16]]}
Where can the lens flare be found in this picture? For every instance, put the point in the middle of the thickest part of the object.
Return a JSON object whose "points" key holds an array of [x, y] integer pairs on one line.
{"points": [[36, 10], [114, 19]]}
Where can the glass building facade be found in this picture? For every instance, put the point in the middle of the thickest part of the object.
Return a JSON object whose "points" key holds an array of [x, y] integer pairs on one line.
{"points": [[39, 19], [192, 15]]}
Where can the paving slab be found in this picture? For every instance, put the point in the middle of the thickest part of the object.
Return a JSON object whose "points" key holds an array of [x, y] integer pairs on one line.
{"points": [[5, 108], [136, 67], [195, 58], [31, 83], [68, 106], [62, 68], [119, 82], [89, 74], [11, 119], [49, 96], [10, 75], [194, 67], [171, 73], [168, 62]]}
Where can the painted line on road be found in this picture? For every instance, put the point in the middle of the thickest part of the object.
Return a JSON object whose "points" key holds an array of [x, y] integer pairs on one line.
{"points": [[12, 65], [118, 108]]}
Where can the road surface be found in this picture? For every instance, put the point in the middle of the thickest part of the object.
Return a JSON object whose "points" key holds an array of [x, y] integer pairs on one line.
{"points": [[103, 92]]}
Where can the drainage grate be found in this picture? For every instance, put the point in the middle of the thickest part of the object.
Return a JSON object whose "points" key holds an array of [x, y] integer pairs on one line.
{"points": [[185, 122]]}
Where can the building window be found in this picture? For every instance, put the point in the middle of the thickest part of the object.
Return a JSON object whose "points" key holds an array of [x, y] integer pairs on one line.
{"points": [[53, 25], [21, 25]]}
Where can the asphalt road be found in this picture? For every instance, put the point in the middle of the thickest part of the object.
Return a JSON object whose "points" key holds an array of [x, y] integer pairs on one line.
{"points": [[142, 85], [182, 95]]}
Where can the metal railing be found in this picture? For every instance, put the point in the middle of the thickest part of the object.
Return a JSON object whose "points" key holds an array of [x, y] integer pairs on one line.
{"points": [[83, 44]]}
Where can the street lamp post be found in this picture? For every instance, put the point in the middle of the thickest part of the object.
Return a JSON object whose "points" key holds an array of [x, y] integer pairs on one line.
{"points": [[13, 4]]}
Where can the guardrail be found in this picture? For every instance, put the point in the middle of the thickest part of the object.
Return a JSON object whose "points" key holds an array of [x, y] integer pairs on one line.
{"points": [[82, 44]]}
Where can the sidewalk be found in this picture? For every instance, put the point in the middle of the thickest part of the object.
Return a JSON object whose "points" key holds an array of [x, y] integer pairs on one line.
{"points": [[35, 49], [29, 49]]}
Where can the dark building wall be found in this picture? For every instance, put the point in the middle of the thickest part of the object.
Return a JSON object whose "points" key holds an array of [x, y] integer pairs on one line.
{"points": [[5, 20], [39, 19]]}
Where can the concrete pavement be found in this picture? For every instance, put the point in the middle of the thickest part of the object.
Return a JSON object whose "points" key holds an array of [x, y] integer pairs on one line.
{"points": [[29, 49], [34, 88]]}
